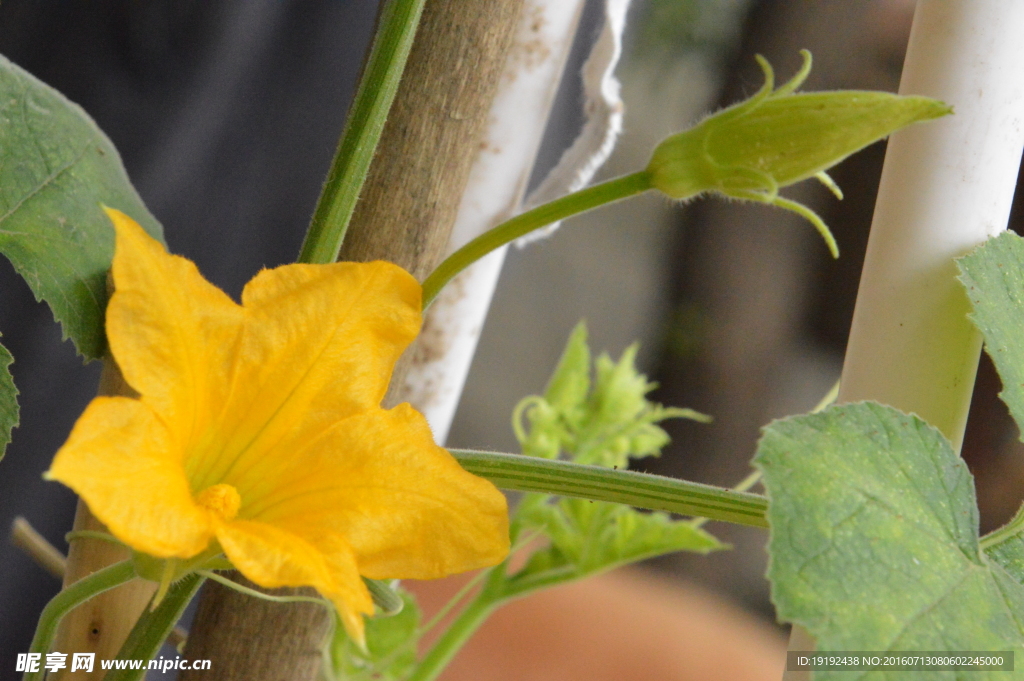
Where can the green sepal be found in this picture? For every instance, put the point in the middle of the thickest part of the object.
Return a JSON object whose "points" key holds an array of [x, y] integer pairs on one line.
{"points": [[777, 138], [390, 653], [385, 596], [174, 569]]}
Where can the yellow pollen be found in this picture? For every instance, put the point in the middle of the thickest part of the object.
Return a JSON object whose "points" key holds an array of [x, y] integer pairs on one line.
{"points": [[221, 499]]}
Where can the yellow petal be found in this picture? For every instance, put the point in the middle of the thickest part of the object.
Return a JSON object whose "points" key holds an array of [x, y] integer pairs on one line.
{"points": [[172, 333], [272, 557], [120, 458], [260, 424], [404, 504], [319, 344]]}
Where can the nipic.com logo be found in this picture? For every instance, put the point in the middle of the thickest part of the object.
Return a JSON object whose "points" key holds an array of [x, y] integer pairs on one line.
{"points": [[54, 662], [30, 662]]}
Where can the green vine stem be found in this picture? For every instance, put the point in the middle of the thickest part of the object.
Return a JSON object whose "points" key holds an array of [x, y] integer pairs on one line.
{"points": [[377, 88], [153, 628], [1010, 530], [532, 474], [464, 626], [69, 599], [497, 591], [643, 490], [524, 223]]}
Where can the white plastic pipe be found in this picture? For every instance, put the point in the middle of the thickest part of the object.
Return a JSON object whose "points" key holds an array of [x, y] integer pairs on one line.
{"points": [[946, 187]]}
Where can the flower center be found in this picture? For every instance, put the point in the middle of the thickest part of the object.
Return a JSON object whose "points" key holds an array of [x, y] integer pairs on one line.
{"points": [[223, 500]]}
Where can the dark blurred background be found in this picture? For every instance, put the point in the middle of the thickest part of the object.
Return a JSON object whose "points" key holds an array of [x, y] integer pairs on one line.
{"points": [[227, 113]]}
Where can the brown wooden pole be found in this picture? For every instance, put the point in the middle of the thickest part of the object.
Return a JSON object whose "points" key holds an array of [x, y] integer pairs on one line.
{"points": [[102, 624], [405, 216]]}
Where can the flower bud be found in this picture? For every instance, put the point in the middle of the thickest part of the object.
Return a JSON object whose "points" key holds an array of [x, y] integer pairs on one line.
{"points": [[777, 138]]}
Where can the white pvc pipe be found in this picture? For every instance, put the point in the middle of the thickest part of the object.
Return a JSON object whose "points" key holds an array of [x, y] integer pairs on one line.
{"points": [[946, 187]]}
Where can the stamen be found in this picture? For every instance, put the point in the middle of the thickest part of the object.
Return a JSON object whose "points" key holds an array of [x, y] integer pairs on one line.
{"points": [[222, 499]]}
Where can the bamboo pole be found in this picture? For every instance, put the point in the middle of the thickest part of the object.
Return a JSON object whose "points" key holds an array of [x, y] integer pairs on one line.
{"points": [[102, 624], [405, 215], [946, 187]]}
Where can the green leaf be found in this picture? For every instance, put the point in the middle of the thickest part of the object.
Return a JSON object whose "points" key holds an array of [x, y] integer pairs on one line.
{"points": [[8, 400], [588, 537], [58, 168], [567, 390], [618, 422], [994, 277], [390, 653], [604, 426], [874, 539], [563, 402]]}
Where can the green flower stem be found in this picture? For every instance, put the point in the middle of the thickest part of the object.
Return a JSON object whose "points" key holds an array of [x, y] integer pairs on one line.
{"points": [[464, 626], [519, 587], [153, 628], [532, 474], [654, 492], [496, 592], [92, 534], [69, 599], [242, 589], [377, 87], [524, 223]]}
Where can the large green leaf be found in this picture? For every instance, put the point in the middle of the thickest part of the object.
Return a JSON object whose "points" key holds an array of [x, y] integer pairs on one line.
{"points": [[874, 540], [8, 400], [57, 169], [994, 277]]}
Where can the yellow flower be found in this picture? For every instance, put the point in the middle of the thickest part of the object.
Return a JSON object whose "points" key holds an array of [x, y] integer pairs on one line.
{"points": [[258, 428]]}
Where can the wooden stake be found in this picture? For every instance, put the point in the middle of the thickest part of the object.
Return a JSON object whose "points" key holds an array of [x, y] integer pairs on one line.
{"points": [[405, 216], [102, 624]]}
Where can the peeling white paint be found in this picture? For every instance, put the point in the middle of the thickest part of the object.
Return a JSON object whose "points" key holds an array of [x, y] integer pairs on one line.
{"points": [[498, 181]]}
